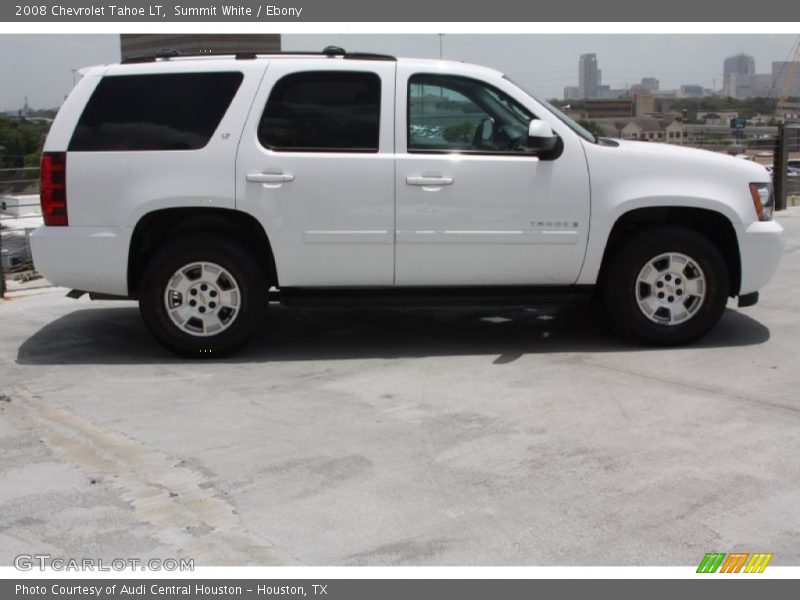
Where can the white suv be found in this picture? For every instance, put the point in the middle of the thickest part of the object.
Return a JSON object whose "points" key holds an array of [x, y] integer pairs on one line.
{"points": [[202, 185]]}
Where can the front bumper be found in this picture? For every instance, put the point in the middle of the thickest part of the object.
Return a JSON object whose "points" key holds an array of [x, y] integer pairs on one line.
{"points": [[761, 248], [94, 259]]}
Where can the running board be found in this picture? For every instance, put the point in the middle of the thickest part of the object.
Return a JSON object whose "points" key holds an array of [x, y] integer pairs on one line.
{"points": [[432, 296], [75, 294]]}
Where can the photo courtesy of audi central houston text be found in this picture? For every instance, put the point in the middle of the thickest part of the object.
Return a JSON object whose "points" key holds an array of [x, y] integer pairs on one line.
{"points": [[383, 299]]}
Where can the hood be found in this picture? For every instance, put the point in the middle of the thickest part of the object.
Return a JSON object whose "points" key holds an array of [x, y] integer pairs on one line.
{"points": [[628, 174], [656, 155]]}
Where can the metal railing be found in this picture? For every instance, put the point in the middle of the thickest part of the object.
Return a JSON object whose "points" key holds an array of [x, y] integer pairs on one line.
{"points": [[18, 218], [19, 180], [785, 178]]}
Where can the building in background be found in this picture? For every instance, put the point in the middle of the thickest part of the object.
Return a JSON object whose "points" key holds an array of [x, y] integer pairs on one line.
{"points": [[751, 86], [643, 128], [572, 92], [741, 80], [788, 112], [740, 64], [786, 78], [589, 76], [195, 43], [650, 84], [743, 64], [716, 117], [606, 92], [693, 90], [601, 109], [645, 105]]}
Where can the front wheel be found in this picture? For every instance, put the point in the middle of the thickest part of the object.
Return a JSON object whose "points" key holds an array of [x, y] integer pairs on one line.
{"points": [[202, 295], [666, 285]]}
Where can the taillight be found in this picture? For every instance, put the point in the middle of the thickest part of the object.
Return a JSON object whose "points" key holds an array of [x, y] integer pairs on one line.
{"points": [[53, 188]]}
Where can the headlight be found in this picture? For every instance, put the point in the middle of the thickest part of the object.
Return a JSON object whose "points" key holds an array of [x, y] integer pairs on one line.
{"points": [[763, 200]]}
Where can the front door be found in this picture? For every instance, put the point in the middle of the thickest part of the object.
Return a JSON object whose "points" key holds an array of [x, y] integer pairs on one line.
{"points": [[474, 205]]}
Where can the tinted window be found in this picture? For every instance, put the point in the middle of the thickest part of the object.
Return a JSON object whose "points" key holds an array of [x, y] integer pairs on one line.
{"points": [[458, 114], [323, 111], [155, 112]]}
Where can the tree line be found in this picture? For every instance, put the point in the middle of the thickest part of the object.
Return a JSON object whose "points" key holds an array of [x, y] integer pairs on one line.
{"points": [[21, 142]]}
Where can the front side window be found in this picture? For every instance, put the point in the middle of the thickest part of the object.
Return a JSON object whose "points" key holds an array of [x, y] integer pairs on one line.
{"points": [[323, 111], [458, 114], [170, 111]]}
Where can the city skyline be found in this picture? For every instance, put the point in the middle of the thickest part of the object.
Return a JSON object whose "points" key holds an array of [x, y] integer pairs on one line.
{"points": [[739, 81], [41, 67]]}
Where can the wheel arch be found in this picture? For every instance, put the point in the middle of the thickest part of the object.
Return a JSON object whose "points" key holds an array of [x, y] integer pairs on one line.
{"points": [[714, 225], [160, 226]]}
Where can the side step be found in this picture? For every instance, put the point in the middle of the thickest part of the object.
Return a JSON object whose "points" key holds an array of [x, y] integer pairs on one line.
{"points": [[75, 294], [432, 296], [412, 296]]}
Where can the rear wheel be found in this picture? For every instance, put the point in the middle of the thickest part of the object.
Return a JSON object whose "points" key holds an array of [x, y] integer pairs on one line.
{"points": [[202, 295], [666, 285]]}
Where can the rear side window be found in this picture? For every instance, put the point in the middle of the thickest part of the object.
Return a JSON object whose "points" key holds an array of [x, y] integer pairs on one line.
{"points": [[177, 111], [323, 111]]}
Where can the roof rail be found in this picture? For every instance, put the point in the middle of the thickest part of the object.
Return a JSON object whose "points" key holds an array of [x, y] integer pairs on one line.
{"points": [[329, 51], [368, 56]]}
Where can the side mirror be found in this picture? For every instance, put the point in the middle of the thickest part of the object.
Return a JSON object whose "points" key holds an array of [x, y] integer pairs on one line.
{"points": [[541, 137]]}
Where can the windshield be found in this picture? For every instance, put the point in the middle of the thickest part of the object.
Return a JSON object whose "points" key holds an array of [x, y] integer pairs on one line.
{"points": [[581, 131]]}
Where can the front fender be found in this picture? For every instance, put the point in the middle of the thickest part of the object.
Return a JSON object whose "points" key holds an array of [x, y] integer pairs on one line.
{"points": [[603, 223]]}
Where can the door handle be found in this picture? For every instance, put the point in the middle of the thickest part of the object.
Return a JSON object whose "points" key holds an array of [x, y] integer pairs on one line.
{"points": [[429, 181], [270, 177]]}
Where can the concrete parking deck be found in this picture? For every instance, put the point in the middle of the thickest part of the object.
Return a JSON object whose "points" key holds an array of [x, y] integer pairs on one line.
{"points": [[435, 437]]}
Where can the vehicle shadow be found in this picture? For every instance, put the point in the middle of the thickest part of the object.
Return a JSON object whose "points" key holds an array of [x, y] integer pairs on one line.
{"points": [[116, 335]]}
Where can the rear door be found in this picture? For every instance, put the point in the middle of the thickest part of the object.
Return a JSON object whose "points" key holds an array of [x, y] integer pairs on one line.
{"points": [[316, 168]]}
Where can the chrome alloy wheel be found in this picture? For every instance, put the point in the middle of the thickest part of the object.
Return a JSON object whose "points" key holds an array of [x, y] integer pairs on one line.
{"points": [[670, 288], [202, 299]]}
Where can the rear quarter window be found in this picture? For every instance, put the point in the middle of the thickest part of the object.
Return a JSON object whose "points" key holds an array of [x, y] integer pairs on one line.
{"points": [[176, 111]]}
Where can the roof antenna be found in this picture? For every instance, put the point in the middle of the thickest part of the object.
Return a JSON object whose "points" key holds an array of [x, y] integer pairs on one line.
{"points": [[333, 51]]}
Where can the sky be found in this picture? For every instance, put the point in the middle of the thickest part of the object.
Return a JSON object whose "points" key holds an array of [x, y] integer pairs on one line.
{"points": [[39, 67]]}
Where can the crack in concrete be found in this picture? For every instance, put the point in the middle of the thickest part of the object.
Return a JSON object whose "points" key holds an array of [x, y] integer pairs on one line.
{"points": [[179, 504]]}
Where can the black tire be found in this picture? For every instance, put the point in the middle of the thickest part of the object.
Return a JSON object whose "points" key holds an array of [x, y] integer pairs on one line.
{"points": [[239, 324], [620, 288]]}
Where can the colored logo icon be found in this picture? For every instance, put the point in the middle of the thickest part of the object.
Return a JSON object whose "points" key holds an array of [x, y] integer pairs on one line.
{"points": [[735, 562]]}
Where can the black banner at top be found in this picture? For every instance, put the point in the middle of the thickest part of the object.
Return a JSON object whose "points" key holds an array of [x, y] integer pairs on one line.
{"points": [[253, 11]]}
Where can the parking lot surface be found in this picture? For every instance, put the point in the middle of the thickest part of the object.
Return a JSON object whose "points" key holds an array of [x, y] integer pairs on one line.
{"points": [[423, 437]]}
